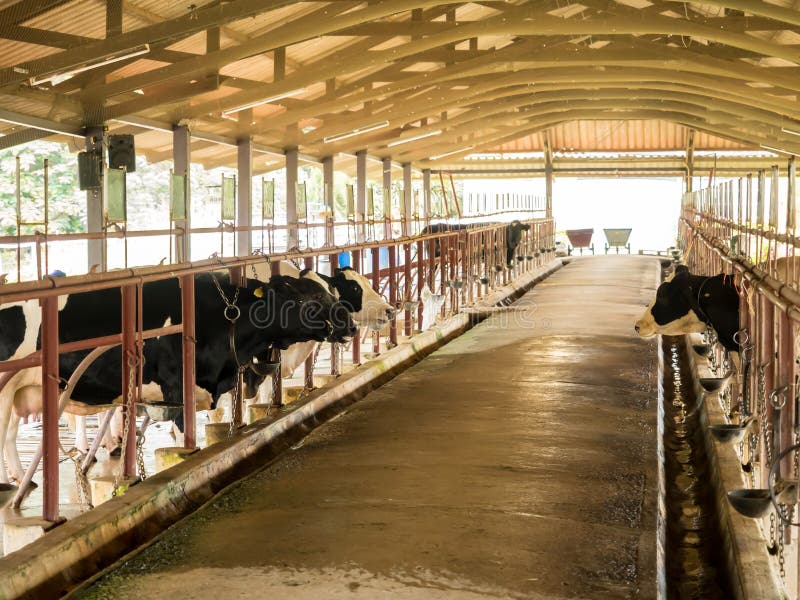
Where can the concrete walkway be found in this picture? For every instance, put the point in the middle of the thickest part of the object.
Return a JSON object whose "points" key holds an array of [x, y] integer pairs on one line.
{"points": [[518, 461]]}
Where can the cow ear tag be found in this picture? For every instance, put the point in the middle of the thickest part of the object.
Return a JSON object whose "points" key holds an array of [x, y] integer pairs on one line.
{"points": [[259, 292]]}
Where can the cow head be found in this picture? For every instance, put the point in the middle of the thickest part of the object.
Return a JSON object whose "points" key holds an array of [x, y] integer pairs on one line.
{"points": [[368, 308], [673, 310], [326, 297]]}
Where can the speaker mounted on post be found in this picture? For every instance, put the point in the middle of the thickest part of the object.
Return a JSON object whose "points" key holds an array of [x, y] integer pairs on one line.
{"points": [[90, 169], [121, 152]]}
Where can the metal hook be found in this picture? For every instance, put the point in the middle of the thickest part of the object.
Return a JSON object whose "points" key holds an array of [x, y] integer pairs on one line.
{"points": [[777, 393]]}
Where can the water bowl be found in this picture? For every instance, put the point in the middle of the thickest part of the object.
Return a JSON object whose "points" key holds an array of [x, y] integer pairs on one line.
{"points": [[7, 493], [456, 284], [701, 349], [529, 257], [498, 268], [753, 503], [410, 305], [728, 432], [162, 412], [484, 280], [520, 258], [714, 384]]}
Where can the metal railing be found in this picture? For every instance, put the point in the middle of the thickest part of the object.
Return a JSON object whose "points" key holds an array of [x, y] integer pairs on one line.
{"points": [[461, 266], [747, 227]]}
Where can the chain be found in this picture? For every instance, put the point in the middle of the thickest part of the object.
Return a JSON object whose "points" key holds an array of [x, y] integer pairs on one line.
{"points": [[781, 558], [140, 456], [126, 423], [306, 388], [81, 481], [772, 543], [766, 426]]}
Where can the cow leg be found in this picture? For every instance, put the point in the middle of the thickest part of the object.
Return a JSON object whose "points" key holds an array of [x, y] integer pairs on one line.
{"points": [[12, 455], [177, 435], [81, 443]]}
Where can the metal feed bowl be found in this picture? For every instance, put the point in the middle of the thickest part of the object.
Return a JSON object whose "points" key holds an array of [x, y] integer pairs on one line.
{"points": [[701, 349], [714, 384], [753, 503], [484, 280]]}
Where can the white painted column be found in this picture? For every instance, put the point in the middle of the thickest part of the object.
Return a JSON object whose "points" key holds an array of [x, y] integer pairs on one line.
{"points": [[244, 195], [426, 194], [181, 160], [407, 196], [387, 189], [95, 142], [292, 163], [361, 194], [327, 198]]}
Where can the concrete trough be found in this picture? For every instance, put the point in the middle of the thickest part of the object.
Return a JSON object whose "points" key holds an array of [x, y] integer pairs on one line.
{"points": [[77, 550]]}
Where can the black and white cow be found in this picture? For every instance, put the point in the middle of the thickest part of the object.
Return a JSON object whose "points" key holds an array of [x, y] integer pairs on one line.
{"points": [[513, 234], [276, 314], [688, 303]]}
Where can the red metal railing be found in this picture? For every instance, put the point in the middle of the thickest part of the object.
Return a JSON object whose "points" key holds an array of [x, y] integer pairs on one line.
{"points": [[747, 227], [469, 263]]}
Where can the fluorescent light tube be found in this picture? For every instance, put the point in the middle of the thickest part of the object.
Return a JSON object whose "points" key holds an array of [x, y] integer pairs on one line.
{"points": [[792, 131], [438, 156], [359, 131], [264, 101], [421, 136], [773, 149], [57, 77]]}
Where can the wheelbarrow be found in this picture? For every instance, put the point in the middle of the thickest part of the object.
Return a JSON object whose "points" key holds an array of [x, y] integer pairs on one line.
{"points": [[580, 239], [617, 238]]}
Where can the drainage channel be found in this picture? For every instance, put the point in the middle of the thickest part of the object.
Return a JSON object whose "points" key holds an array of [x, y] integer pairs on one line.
{"points": [[692, 562]]}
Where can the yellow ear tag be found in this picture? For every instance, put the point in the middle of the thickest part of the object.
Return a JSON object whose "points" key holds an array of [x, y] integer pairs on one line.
{"points": [[259, 292]]}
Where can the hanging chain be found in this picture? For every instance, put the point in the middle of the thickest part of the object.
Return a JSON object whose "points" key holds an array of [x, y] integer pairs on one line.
{"points": [[766, 426], [126, 424], [781, 557], [306, 388], [235, 400], [772, 542], [81, 481], [140, 455]]}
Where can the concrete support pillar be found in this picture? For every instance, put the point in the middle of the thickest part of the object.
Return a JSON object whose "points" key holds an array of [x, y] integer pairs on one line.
{"points": [[689, 160], [361, 194], [292, 163], [387, 196], [327, 198], [95, 142], [181, 152], [426, 194], [405, 209], [548, 175], [244, 193]]}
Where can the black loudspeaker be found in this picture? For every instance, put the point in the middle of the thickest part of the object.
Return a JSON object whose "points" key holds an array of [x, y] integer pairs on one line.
{"points": [[90, 169], [121, 152]]}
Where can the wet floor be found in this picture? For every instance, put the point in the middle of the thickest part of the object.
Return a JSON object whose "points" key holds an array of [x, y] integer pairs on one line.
{"points": [[519, 461]]}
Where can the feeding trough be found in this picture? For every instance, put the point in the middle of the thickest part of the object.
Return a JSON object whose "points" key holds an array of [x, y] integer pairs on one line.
{"points": [[578, 239], [617, 238]]}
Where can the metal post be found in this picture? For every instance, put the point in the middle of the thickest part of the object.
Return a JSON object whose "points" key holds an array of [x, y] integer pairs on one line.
{"points": [[387, 190], [244, 212], [292, 232], [50, 380], [420, 281], [181, 151], [356, 254], [393, 276], [426, 195], [333, 261], [277, 386], [767, 359], [361, 195], [308, 382], [327, 192], [187, 320], [376, 285], [406, 209], [130, 372], [407, 281], [95, 142]]}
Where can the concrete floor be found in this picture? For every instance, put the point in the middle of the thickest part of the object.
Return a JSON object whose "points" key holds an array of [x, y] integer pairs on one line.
{"points": [[516, 462]]}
